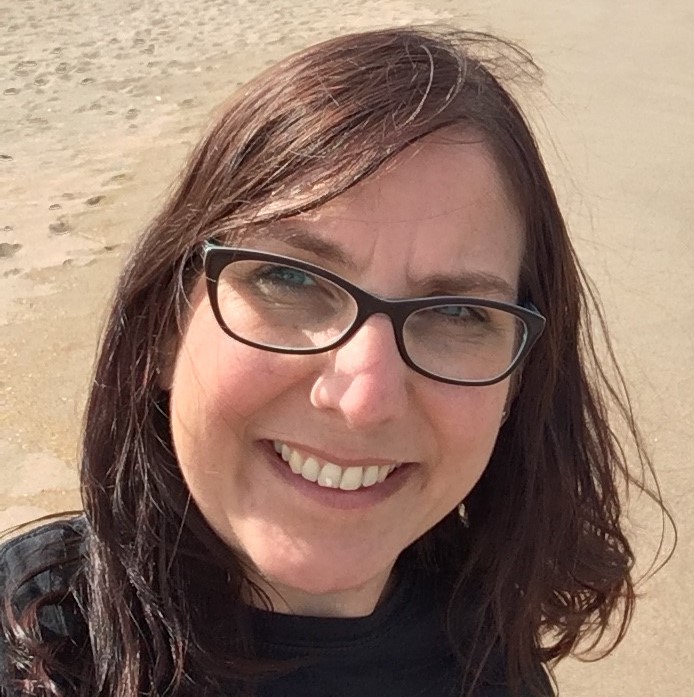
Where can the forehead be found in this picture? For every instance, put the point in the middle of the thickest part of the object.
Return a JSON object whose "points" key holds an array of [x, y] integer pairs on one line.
{"points": [[451, 169], [439, 207]]}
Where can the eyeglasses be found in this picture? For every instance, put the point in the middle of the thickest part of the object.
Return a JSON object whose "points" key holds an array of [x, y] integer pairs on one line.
{"points": [[281, 304]]}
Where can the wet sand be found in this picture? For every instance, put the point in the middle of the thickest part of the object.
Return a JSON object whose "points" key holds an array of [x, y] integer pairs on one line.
{"points": [[102, 101]]}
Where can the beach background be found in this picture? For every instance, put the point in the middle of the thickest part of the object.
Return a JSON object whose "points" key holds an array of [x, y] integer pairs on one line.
{"points": [[102, 100]]}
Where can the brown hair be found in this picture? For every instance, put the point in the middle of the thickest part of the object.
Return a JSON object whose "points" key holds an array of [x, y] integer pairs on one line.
{"points": [[545, 540]]}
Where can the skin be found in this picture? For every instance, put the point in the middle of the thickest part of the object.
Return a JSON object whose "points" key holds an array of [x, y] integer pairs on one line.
{"points": [[439, 208]]}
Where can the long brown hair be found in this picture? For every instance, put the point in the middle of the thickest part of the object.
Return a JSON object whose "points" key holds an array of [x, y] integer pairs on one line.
{"points": [[545, 540]]}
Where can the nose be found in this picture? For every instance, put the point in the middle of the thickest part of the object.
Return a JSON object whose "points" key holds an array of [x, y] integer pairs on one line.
{"points": [[365, 379]]}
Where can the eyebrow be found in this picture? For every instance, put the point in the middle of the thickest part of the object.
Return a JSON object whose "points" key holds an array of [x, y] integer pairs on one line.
{"points": [[300, 238], [465, 283]]}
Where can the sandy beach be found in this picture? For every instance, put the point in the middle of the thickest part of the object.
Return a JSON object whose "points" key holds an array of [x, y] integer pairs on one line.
{"points": [[102, 101]]}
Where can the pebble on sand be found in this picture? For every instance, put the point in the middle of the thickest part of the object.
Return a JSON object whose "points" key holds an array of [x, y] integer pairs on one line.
{"points": [[9, 249], [60, 227]]}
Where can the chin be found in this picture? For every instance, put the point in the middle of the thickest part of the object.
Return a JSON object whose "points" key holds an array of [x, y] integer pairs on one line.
{"points": [[330, 563]]}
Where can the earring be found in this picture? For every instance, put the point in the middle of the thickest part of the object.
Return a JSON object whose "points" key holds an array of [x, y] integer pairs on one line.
{"points": [[462, 514]]}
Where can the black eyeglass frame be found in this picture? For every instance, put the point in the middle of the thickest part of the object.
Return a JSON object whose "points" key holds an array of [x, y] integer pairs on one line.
{"points": [[217, 257]]}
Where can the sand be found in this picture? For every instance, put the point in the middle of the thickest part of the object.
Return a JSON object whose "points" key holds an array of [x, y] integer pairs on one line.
{"points": [[101, 101]]}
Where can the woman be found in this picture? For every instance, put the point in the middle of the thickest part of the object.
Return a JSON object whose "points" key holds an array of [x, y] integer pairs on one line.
{"points": [[347, 433]]}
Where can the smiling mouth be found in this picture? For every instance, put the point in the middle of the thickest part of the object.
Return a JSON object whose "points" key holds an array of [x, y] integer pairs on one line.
{"points": [[328, 474]]}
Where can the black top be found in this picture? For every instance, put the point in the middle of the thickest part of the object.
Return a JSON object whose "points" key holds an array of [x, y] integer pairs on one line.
{"points": [[400, 650]]}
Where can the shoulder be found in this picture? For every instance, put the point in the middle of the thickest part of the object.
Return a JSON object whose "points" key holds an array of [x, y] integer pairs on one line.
{"points": [[43, 559], [38, 571], [473, 638]]}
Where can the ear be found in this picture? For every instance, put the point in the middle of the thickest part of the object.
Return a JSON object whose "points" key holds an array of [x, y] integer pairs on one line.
{"points": [[513, 390]]}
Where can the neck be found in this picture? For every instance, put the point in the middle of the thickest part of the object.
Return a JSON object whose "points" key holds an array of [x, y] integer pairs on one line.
{"points": [[359, 601]]}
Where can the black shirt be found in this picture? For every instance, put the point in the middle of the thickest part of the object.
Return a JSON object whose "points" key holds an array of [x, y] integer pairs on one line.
{"points": [[400, 650]]}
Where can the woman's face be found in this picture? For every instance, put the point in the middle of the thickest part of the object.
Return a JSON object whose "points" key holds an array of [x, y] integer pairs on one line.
{"points": [[438, 213]]}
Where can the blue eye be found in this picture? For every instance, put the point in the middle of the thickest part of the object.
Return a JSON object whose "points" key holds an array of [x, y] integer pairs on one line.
{"points": [[288, 275], [452, 310], [461, 312]]}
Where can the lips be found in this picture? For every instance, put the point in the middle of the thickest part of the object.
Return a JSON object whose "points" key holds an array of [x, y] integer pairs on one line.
{"points": [[328, 474]]}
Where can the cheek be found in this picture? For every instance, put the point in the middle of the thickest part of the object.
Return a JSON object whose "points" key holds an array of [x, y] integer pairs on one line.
{"points": [[467, 425], [471, 408], [218, 379], [219, 389]]}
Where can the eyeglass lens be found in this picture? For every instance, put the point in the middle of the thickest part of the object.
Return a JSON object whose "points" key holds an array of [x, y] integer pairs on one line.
{"points": [[284, 307]]}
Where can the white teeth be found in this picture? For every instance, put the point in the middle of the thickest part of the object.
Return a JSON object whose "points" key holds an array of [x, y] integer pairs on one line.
{"points": [[310, 469], [352, 478], [295, 462], [330, 475], [370, 475]]}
